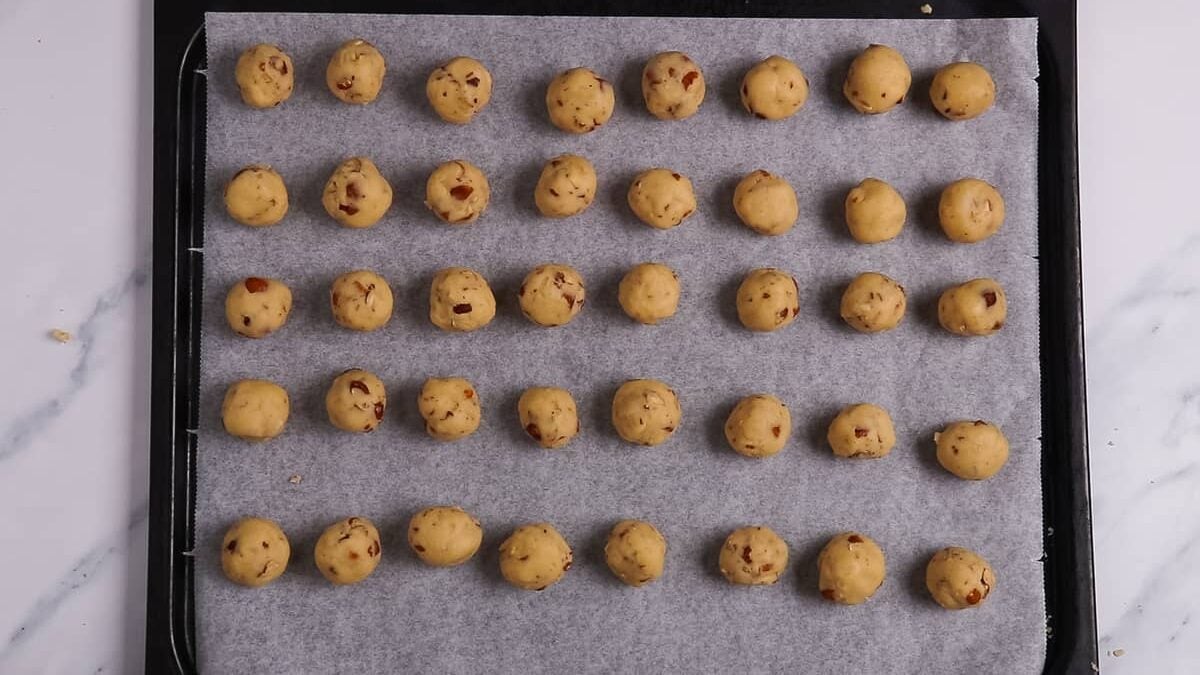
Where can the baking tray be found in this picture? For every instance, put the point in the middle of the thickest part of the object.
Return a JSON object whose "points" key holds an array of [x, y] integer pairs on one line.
{"points": [[179, 193]]}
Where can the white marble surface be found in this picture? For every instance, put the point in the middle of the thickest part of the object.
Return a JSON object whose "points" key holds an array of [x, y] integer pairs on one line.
{"points": [[75, 176]]}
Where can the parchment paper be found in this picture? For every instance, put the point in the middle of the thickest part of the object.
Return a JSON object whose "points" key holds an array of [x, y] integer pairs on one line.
{"points": [[410, 618]]}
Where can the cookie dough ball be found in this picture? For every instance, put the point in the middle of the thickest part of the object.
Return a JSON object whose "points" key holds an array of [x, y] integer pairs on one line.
{"points": [[673, 86], [877, 81], [264, 76], [753, 556], [566, 187], [970, 210], [759, 426], [766, 203], [549, 416], [444, 536], [450, 407], [579, 101], [255, 410], [861, 430], [552, 295], [356, 401], [255, 307], [875, 212], [649, 293], [646, 412], [355, 72], [962, 91], [850, 569], [256, 196], [972, 450], [774, 89], [662, 198], [768, 299], [636, 552], [458, 192], [356, 194], [361, 300], [348, 551], [959, 578], [460, 300], [255, 552], [977, 307], [873, 303], [534, 557], [459, 89]]}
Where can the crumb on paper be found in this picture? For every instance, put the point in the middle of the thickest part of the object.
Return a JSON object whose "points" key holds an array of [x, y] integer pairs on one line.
{"points": [[295, 479], [927, 8], [1118, 653], [60, 335]]}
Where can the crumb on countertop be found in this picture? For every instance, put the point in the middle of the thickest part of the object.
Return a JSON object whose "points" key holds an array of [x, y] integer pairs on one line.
{"points": [[927, 8], [60, 335], [295, 479]]}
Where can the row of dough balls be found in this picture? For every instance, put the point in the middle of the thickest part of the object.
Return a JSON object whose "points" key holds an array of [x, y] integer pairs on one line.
{"points": [[850, 568], [357, 196], [460, 300], [644, 412], [579, 100]]}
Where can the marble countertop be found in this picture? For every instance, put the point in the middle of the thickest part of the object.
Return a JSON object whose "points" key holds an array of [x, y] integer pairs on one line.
{"points": [[75, 134]]}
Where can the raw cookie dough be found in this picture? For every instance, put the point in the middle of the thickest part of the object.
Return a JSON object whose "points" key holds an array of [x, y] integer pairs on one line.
{"points": [[264, 76], [255, 307], [873, 303], [962, 91], [459, 89], [875, 212], [348, 551], [549, 416], [355, 72], [972, 450], [766, 203], [356, 401], [256, 196], [636, 552], [458, 192], [768, 299], [579, 101], [861, 430], [850, 569], [970, 210], [672, 85], [959, 578], [361, 300], [566, 187], [534, 557], [255, 410], [646, 412], [662, 198], [444, 536], [450, 407], [753, 556], [552, 295], [877, 81], [460, 300], [255, 552], [759, 426], [357, 195], [774, 89], [649, 293], [977, 307]]}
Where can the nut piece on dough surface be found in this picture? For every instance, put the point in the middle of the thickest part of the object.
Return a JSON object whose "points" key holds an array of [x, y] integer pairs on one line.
{"points": [[646, 412], [265, 76], [348, 551], [450, 407], [649, 293], [861, 430], [766, 203], [962, 91], [850, 568], [774, 89], [361, 300], [255, 307], [444, 536], [458, 192], [972, 450], [566, 187], [877, 81], [768, 299], [255, 552], [357, 195], [970, 210], [552, 295], [661, 198], [460, 300], [959, 578], [873, 303], [534, 557], [356, 400], [549, 416], [579, 101], [636, 552], [753, 556], [672, 86], [977, 307], [255, 410], [758, 426], [458, 89], [355, 72], [875, 212], [256, 196]]}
